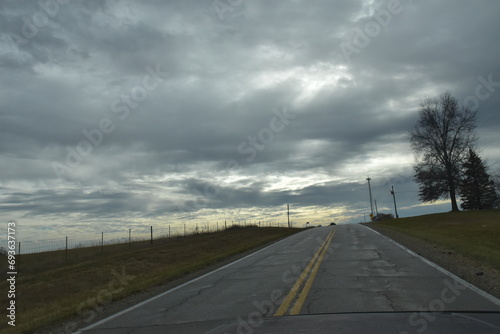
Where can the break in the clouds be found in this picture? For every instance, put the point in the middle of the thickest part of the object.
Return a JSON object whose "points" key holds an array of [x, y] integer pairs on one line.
{"points": [[119, 113]]}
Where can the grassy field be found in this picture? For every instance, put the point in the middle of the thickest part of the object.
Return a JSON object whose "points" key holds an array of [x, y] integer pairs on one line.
{"points": [[50, 288], [474, 234]]}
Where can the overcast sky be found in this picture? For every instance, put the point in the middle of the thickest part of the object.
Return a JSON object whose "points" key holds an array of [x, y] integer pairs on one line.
{"points": [[120, 114]]}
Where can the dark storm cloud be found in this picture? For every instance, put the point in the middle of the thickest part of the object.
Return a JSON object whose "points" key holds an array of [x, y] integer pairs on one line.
{"points": [[207, 118]]}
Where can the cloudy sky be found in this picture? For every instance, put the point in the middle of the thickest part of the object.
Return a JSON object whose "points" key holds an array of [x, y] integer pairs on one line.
{"points": [[122, 114]]}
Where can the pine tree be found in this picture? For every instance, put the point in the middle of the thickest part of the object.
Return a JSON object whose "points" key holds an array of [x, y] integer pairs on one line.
{"points": [[477, 188]]}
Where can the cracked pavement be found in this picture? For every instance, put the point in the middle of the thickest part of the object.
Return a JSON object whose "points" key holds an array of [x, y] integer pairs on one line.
{"points": [[368, 273], [362, 272]]}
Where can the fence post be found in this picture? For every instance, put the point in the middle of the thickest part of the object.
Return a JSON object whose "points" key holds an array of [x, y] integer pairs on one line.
{"points": [[151, 234]]}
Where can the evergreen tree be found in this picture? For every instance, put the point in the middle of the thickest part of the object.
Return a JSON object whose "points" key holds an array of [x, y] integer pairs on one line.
{"points": [[477, 188]]}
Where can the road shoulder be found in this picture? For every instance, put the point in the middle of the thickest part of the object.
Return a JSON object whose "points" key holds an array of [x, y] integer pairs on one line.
{"points": [[479, 274]]}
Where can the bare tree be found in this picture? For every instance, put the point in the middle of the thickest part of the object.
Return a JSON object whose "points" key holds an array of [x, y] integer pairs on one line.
{"points": [[441, 139]]}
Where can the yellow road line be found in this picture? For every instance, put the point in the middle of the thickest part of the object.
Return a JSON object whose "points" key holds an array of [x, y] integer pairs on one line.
{"points": [[305, 291], [312, 267], [291, 295]]}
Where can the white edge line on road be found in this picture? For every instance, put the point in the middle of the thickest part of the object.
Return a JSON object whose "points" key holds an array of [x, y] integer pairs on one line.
{"points": [[474, 288], [174, 289]]}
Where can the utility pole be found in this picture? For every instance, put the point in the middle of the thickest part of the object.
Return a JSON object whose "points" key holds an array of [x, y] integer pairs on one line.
{"points": [[393, 193], [288, 209], [371, 201]]}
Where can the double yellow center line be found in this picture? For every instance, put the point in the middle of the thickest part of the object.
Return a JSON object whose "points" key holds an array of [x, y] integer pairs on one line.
{"points": [[292, 304]]}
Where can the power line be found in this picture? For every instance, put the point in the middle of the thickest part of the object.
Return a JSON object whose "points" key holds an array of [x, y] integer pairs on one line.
{"points": [[371, 200], [288, 209], [394, 197]]}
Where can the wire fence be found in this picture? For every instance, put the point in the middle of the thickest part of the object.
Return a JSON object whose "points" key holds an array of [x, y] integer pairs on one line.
{"points": [[36, 256], [128, 236]]}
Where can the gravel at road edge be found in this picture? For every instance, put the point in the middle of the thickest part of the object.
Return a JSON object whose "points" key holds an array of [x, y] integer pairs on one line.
{"points": [[479, 274]]}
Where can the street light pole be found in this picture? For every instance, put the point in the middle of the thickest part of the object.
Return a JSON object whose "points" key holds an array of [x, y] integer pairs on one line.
{"points": [[371, 200]]}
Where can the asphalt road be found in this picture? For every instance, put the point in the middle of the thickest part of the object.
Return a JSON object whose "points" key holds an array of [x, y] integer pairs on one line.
{"points": [[347, 268]]}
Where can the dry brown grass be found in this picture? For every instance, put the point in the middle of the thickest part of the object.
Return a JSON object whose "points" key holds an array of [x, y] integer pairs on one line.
{"points": [[49, 289]]}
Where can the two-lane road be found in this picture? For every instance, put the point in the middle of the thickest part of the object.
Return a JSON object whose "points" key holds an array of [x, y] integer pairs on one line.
{"points": [[346, 268], [368, 273]]}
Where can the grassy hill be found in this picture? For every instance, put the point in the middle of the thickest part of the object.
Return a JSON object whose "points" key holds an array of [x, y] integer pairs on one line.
{"points": [[473, 234]]}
